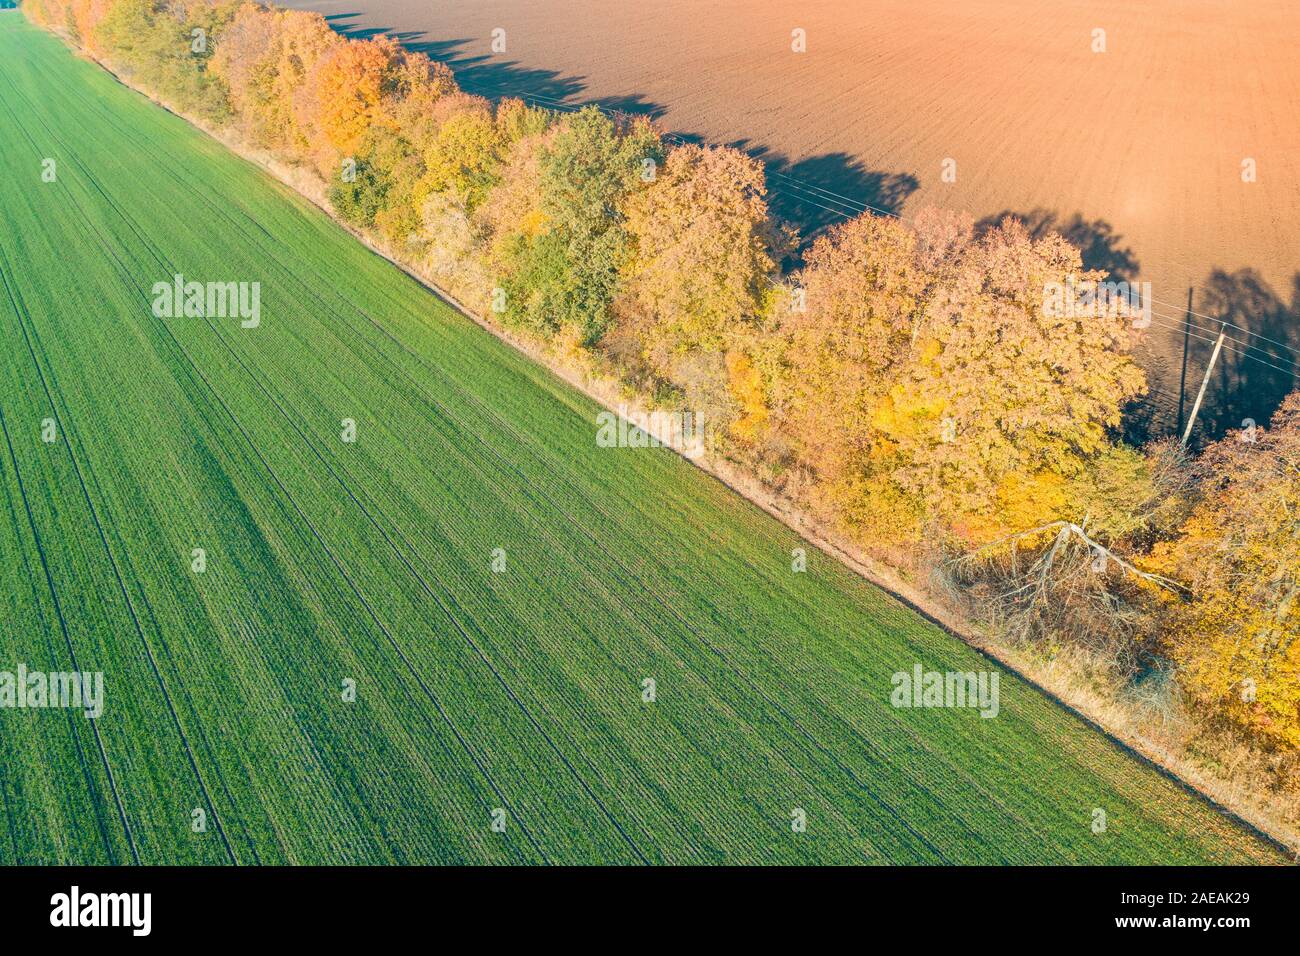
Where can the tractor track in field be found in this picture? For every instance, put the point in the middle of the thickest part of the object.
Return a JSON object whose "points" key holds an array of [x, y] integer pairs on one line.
{"points": [[67, 637], [130, 606], [279, 484], [314, 746], [416, 575]]}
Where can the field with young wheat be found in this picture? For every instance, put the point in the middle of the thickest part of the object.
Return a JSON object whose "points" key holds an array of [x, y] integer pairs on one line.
{"points": [[363, 588]]}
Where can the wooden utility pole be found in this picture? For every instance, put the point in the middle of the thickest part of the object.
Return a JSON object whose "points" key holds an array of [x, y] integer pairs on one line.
{"points": [[1218, 346], [1182, 378]]}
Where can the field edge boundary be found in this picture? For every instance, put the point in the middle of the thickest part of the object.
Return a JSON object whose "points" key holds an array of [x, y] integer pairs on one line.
{"points": [[882, 576]]}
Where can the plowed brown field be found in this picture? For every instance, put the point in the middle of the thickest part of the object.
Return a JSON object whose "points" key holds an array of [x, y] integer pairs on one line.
{"points": [[1135, 152]]}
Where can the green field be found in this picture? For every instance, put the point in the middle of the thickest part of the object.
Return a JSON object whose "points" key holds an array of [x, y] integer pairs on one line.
{"points": [[372, 562]]}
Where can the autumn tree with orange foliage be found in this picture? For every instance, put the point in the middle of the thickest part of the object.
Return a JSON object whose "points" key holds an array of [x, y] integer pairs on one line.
{"points": [[264, 57], [345, 95], [86, 15], [80, 18]]}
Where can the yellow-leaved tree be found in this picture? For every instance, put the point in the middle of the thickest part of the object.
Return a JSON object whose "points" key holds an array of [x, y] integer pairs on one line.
{"points": [[1000, 384], [702, 249], [931, 383], [844, 332], [359, 85], [265, 57], [1237, 638]]}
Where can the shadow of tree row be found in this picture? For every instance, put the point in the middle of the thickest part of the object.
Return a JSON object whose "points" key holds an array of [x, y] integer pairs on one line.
{"points": [[1257, 369], [810, 194]]}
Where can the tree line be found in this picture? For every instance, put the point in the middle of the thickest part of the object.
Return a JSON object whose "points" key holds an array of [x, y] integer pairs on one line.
{"points": [[910, 383]]}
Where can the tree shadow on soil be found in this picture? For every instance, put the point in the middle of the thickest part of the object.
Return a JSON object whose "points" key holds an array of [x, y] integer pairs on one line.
{"points": [[818, 192], [482, 74], [1101, 247], [1254, 373], [1258, 366], [810, 194]]}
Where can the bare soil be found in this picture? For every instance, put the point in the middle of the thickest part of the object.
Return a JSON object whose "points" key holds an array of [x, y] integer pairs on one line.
{"points": [[1135, 153]]}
